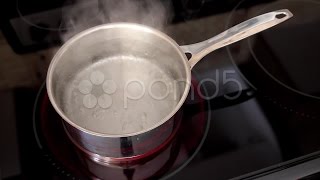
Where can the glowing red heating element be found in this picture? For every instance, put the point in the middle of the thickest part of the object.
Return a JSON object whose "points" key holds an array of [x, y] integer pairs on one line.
{"points": [[182, 142]]}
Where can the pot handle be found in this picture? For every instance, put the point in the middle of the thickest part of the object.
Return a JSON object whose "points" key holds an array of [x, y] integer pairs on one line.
{"points": [[234, 34]]}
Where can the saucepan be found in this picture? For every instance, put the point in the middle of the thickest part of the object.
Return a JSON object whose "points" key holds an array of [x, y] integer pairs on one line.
{"points": [[119, 87]]}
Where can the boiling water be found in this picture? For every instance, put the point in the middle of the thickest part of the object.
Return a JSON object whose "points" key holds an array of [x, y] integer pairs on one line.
{"points": [[120, 95]]}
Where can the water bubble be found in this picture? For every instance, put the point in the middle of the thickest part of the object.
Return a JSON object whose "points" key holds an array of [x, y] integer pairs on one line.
{"points": [[115, 113], [144, 116], [95, 115], [82, 110], [158, 75], [99, 114], [124, 125]]}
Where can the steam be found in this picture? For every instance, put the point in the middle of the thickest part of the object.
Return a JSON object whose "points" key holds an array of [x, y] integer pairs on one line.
{"points": [[85, 14]]}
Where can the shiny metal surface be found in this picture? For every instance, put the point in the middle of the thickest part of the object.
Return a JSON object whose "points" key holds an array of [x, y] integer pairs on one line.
{"points": [[104, 148], [118, 53], [94, 83], [236, 33], [122, 53], [125, 162]]}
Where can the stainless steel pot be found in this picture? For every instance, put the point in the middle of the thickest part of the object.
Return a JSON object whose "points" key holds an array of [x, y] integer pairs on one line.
{"points": [[119, 87]]}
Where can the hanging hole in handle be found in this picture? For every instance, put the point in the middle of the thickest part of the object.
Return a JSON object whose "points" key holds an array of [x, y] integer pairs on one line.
{"points": [[189, 55], [281, 16]]}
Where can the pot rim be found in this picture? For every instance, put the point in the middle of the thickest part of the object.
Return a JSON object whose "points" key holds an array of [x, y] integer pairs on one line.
{"points": [[78, 36]]}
